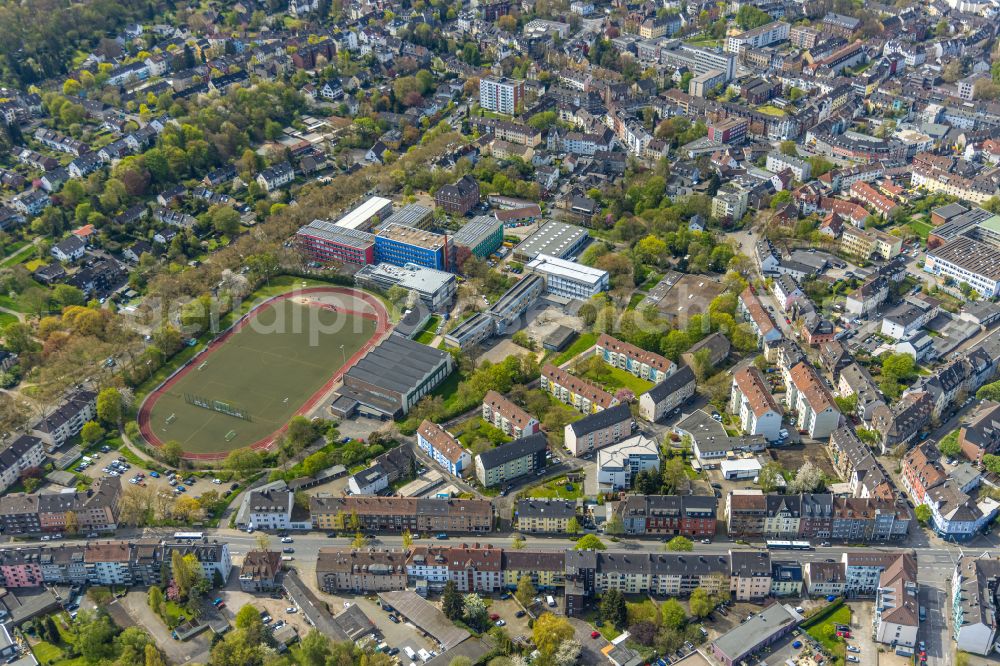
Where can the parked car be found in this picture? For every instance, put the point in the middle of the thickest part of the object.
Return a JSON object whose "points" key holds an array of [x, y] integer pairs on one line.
{"points": [[291, 609], [595, 634]]}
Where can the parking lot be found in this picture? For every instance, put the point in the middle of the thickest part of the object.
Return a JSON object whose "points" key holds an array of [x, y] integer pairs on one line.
{"points": [[111, 463]]}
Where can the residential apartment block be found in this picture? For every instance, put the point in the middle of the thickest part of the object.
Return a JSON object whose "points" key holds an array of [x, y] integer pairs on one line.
{"points": [[573, 391], [504, 414], [395, 514], [751, 400], [511, 460], [444, 449], [596, 431], [641, 363], [669, 515], [544, 515]]}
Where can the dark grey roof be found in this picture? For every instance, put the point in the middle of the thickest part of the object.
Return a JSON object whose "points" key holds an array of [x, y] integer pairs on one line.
{"points": [[672, 384], [602, 419], [397, 364], [513, 450]]}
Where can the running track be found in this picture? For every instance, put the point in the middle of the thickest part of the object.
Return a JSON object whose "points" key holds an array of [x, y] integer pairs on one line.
{"points": [[383, 326]]}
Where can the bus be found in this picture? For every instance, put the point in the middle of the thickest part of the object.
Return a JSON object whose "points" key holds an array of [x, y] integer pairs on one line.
{"points": [[788, 545], [188, 536]]}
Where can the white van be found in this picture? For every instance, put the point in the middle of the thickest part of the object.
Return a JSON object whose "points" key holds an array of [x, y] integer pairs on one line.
{"points": [[550, 601], [409, 652], [425, 656]]}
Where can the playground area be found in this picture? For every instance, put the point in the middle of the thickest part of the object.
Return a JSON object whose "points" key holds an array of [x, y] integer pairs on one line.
{"points": [[276, 361]]}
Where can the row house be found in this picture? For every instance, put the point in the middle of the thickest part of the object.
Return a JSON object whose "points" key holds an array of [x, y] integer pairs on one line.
{"points": [[546, 569], [61, 142], [396, 514], [981, 434], [573, 391], [751, 513], [544, 515], [957, 513], [144, 562], [749, 574], [472, 568], [590, 573], [900, 423], [95, 509], [692, 516], [854, 462], [863, 571], [824, 579], [360, 571], [510, 418], [641, 363]]}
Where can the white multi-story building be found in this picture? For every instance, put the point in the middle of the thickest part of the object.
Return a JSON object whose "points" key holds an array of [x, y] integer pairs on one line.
{"points": [[752, 402], [618, 464], [974, 587], [568, 278], [24, 453], [758, 37], [270, 509], [501, 95], [778, 162], [815, 410], [896, 618], [970, 261]]}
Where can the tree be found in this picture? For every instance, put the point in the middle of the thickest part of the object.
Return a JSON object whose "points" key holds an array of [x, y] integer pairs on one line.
{"points": [[526, 591], [474, 611], [700, 603], [572, 526], [451, 601], [314, 649], [109, 406], [589, 542], [247, 618], [922, 514], [808, 479], [186, 572], [673, 614], [152, 656], [92, 432], [66, 294], [549, 633], [407, 539], [155, 599], [613, 608], [567, 654], [244, 460], [789, 148], [770, 476], [517, 542], [172, 452], [949, 446], [360, 540], [680, 544], [614, 526]]}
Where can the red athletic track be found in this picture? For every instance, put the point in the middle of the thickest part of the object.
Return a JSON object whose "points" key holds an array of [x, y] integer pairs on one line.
{"points": [[383, 326]]}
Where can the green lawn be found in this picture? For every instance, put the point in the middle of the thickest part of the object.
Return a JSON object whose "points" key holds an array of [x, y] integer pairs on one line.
{"points": [[18, 255], [427, 335], [823, 629], [46, 652], [770, 110], [174, 613], [7, 318], [921, 229], [612, 378], [476, 428], [580, 345], [556, 490], [267, 369]]}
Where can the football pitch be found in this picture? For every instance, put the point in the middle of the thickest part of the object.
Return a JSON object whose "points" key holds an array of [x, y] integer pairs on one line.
{"points": [[274, 363]]}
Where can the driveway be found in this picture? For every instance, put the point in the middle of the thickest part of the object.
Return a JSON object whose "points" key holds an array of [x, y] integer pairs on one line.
{"points": [[177, 652]]}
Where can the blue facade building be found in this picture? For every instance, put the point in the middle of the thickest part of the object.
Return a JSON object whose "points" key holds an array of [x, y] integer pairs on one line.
{"points": [[400, 245]]}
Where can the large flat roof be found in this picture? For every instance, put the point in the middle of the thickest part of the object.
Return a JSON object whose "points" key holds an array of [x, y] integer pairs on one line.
{"points": [[552, 238], [570, 270], [412, 236], [744, 638], [329, 231], [360, 216]]}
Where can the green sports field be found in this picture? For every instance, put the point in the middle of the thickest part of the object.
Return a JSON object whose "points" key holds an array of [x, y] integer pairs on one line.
{"points": [[268, 370]]}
